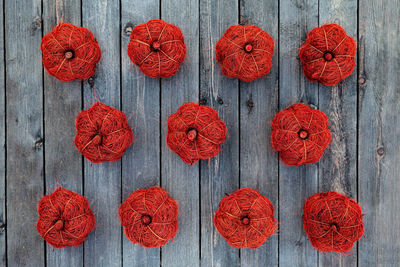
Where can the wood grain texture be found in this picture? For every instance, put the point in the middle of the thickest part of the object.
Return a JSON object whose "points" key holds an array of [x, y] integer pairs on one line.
{"points": [[258, 104], [379, 132], [337, 168], [141, 103], [102, 182], [3, 219], [62, 103], [220, 175], [24, 93], [295, 183], [180, 180]]}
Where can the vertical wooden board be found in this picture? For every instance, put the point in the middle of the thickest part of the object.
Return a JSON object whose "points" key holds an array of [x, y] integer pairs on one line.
{"points": [[337, 168], [220, 175], [258, 104], [24, 98], [141, 104], [62, 103], [102, 182], [379, 134], [295, 183], [180, 180], [3, 251]]}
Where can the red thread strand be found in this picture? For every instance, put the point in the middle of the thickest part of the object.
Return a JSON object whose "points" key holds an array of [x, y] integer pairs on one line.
{"points": [[103, 133], [245, 219], [328, 55], [157, 47], [245, 52], [195, 132], [65, 218], [149, 217], [332, 222], [300, 134], [70, 52]]}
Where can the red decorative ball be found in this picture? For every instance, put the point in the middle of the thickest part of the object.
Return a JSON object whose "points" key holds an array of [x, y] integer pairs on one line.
{"points": [[65, 218], [103, 133], [300, 134], [157, 47], [333, 222], [70, 52], [245, 52], [328, 54], [149, 217], [195, 132], [245, 219]]}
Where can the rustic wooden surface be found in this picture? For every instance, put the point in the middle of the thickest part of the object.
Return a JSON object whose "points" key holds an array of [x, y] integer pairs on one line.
{"points": [[37, 117]]}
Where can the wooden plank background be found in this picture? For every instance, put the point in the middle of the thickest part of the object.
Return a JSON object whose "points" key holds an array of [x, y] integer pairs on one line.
{"points": [[37, 120]]}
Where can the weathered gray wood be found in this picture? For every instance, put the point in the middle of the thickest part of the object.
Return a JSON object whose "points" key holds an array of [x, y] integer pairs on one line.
{"points": [[379, 132], [24, 98], [258, 104], [62, 103], [220, 175], [3, 219], [337, 168], [141, 103], [179, 179], [295, 183], [102, 182]]}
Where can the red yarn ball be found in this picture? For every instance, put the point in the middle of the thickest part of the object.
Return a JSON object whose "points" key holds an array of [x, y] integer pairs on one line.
{"points": [[103, 133], [149, 217], [245, 52], [70, 52], [65, 218], [333, 222], [300, 134], [328, 54], [245, 219], [157, 47], [195, 132]]}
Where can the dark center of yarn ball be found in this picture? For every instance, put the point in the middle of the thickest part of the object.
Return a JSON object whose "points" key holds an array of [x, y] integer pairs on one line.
{"points": [[335, 226], [97, 139], [59, 225], [156, 45], [248, 48], [146, 219], [69, 54], [303, 134], [192, 134], [328, 56], [246, 220]]}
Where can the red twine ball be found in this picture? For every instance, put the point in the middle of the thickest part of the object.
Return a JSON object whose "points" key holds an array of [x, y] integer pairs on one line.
{"points": [[328, 54], [245, 52], [65, 218], [195, 132], [245, 219], [149, 217], [300, 134], [103, 133], [157, 47], [332, 222], [70, 52]]}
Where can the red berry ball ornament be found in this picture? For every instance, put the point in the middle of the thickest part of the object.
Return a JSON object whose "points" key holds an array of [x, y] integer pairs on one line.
{"points": [[333, 222], [300, 134], [65, 218], [149, 217], [70, 52], [245, 219], [328, 54], [157, 47], [195, 132], [103, 133], [245, 52]]}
